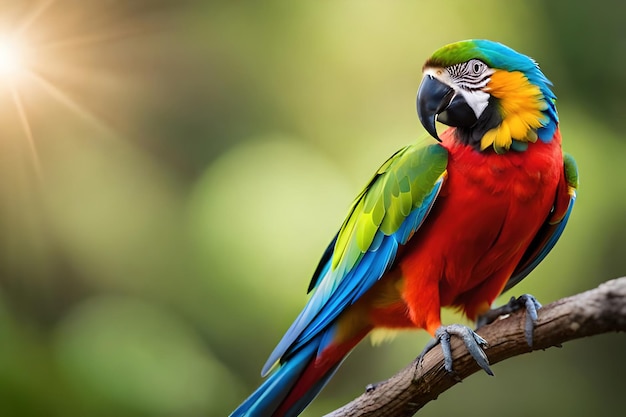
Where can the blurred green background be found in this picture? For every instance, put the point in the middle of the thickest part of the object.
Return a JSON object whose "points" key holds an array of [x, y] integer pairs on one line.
{"points": [[171, 171]]}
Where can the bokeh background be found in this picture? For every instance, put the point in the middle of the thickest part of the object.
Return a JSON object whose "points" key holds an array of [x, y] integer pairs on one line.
{"points": [[171, 171]]}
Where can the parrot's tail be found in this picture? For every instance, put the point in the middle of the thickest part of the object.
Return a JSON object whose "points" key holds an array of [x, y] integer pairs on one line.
{"points": [[298, 380]]}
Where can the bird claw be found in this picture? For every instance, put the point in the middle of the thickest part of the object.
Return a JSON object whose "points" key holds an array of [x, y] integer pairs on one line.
{"points": [[473, 342], [525, 301]]}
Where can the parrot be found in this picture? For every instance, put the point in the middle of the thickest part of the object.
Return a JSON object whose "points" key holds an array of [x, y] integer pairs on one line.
{"points": [[450, 224]]}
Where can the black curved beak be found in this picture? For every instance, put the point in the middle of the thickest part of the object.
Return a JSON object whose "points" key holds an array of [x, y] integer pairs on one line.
{"points": [[438, 101], [433, 97]]}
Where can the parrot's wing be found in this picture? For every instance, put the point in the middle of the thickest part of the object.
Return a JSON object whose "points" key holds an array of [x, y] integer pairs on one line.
{"points": [[384, 215], [551, 230]]}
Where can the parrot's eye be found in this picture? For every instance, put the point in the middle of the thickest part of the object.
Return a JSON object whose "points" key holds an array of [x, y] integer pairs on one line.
{"points": [[477, 66], [467, 70]]}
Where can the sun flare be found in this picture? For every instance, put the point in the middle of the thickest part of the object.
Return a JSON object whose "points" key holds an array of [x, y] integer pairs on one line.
{"points": [[11, 58], [55, 58]]}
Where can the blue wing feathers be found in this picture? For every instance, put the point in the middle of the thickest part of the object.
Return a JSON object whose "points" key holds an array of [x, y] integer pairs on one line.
{"points": [[337, 288], [370, 267], [378, 240], [417, 216], [269, 396], [332, 296]]}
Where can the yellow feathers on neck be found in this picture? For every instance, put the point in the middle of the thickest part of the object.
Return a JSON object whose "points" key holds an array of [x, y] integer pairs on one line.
{"points": [[520, 105]]}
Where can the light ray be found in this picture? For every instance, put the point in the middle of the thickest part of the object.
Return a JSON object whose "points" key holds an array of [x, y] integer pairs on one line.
{"points": [[33, 59], [33, 16], [69, 102], [93, 39], [28, 132]]}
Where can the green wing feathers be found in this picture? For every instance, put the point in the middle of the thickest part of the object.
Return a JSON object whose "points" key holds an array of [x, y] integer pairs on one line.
{"points": [[386, 213], [399, 186], [571, 171]]}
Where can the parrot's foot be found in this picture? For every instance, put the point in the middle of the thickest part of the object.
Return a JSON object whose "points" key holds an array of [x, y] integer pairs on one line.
{"points": [[525, 301], [473, 342]]}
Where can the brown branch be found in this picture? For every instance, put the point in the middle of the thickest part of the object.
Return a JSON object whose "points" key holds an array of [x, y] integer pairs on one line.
{"points": [[601, 310]]}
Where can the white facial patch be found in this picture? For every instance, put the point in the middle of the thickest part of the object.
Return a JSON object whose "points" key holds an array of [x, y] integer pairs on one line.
{"points": [[477, 99], [472, 89]]}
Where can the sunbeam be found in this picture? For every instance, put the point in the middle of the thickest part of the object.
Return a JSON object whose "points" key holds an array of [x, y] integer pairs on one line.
{"points": [[32, 17], [40, 56], [12, 70], [65, 99], [27, 130], [92, 39]]}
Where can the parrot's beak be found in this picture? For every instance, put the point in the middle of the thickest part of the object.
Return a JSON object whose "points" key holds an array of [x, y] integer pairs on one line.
{"points": [[438, 101], [433, 97]]}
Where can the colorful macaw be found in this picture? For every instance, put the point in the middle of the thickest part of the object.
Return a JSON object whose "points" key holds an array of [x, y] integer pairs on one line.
{"points": [[452, 224]]}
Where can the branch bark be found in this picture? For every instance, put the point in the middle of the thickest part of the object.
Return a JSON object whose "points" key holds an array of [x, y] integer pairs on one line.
{"points": [[600, 310]]}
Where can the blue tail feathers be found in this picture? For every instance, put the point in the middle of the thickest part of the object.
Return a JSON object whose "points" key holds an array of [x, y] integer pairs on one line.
{"points": [[268, 398]]}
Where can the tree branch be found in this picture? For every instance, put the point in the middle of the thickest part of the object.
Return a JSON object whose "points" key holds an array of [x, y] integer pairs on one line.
{"points": [[596, 311]]}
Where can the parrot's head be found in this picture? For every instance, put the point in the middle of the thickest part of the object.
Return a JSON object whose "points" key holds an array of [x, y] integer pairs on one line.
{"points": [[493, 96]]}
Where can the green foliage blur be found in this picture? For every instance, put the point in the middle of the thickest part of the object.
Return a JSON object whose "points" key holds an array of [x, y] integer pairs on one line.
{"points": [[170, 173]]}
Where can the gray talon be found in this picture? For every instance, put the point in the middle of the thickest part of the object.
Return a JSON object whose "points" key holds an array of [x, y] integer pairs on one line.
{"points": [[526, 302], [532, 305], [473, 342]]}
